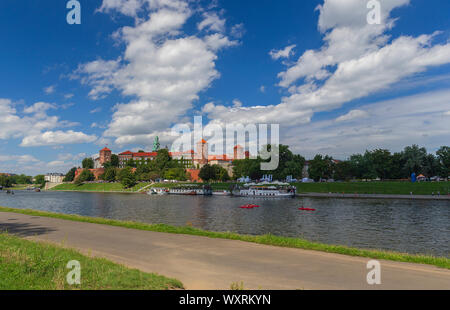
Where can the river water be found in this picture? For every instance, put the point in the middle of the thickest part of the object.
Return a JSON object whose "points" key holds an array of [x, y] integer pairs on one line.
{"points": [[399, 225]]}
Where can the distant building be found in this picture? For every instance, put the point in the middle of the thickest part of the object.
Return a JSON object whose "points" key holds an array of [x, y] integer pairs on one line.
{"points": [[104, 157], [136, 156], [54, 177], [238, 152], [201, 156]]}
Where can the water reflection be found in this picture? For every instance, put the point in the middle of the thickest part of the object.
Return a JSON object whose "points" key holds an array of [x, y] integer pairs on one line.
{"points": [[399, 225]]}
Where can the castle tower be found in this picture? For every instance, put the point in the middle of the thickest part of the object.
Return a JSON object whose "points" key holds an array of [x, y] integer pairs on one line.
{"points": [[238, 152], [105, 156], [202, 152]]}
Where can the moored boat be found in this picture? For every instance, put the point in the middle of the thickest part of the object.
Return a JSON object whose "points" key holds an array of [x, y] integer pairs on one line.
{"points": [[158, 191], [191, 190], [265, 191], [221, 193]]}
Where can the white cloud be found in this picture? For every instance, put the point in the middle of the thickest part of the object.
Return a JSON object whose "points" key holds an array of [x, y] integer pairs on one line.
{"points": [[356, 60], [71, 157], [352, 115], [262, 89], [37, 127], [211, 22], [238, 31], [39, 107], [284, 53], [447, 113], [96, 110], [391, 124], [68, 96], [57, 138], [50, 89], [162, 67], [22, 159]]}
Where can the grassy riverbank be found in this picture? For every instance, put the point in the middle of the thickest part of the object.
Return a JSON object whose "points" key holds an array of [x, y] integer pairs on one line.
{"points": [[98, 187], [28, 265], [442, 262], [384, 188], [381, 188]]}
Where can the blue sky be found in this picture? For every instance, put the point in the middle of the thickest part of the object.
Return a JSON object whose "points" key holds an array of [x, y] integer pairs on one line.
{"points": [[135, 68]]}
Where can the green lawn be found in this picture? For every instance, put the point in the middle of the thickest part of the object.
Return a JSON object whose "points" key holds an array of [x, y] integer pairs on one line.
{"points": [[27, 265], [386, 188], [98, 187], [442, 262]]}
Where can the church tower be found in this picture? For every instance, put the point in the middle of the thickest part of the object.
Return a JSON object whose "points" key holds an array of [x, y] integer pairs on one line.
{"points": [[202, 152]]}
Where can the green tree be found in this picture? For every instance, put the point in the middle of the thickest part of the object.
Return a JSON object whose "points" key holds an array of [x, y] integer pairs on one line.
{"points": [[86, 176], [247, 167], [207, 173], [115, 161], [178, 174], [162, 161], [289, 164], [110, 174], [431, 166], [321, 167], [70, 176], [39, 179], [444, 160], [343, 171], [414, 157], [88, 163], [5, 181], [397, 167], [127, 177], [381, 162]]}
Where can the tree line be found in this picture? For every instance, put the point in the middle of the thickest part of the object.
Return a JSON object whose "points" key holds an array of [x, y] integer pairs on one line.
{"points": [[375, 164]]}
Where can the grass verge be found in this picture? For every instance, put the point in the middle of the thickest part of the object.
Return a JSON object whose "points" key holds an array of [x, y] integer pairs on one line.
{"points": [[269, 239], [98, 187], [382, 188], [28, 265]]}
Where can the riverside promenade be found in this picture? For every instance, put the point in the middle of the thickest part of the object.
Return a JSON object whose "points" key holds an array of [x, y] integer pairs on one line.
{"points": [[374, 196], [206, 263]]}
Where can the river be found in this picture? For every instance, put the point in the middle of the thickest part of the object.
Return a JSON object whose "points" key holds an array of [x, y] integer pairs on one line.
{"points": [[398, 225]]}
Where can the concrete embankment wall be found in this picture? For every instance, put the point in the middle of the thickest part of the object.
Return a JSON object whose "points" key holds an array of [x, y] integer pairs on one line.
{"points": [[374, 196]]}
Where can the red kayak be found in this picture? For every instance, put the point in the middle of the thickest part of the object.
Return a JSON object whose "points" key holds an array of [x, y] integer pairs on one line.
{"points": [[306, 209], [249, 206]]}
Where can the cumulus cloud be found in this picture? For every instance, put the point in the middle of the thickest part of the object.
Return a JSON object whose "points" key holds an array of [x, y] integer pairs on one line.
{"points": [[22, 159], [163, 69], [284, 53], [212, 22], [355, 61], [35, 126], [57, 138]]}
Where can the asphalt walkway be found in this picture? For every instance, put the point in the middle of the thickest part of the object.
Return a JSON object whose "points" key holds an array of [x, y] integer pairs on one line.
{"points": [[205, 263]]}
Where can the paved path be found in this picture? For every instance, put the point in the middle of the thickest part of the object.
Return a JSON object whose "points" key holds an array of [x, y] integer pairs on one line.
{"points": [[204, 263]]}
